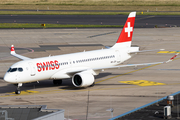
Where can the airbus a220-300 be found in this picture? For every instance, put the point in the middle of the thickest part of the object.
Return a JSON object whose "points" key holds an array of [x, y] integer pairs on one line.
{"points": [[81, 66]]}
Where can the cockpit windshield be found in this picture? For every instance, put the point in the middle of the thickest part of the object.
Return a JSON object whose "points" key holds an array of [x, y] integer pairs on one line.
{"points": [[15, 69], [20, 69]]}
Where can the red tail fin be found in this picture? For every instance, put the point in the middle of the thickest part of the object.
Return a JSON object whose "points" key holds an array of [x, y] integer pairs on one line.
{"points": [[127, 32]]}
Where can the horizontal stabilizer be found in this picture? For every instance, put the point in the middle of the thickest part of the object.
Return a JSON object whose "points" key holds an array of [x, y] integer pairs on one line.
{"points": [[107, 47], [146, 51]]}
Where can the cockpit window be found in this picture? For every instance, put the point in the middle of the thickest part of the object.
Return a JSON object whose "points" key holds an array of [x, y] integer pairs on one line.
{"points": [[9, 70], [20, 69], [15, 69]]}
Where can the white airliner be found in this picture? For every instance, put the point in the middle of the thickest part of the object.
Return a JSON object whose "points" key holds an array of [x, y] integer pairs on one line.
{"points": [[81, 67]]}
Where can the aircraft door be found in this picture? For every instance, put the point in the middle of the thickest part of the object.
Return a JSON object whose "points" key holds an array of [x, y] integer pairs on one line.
{"points": [[32, 69]]}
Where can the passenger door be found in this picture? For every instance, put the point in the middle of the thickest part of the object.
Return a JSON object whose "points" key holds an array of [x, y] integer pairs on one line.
{"points": [[32, 69]]}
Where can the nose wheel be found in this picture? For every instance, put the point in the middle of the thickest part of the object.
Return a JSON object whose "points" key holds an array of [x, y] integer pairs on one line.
{"points": [[18, 91]]}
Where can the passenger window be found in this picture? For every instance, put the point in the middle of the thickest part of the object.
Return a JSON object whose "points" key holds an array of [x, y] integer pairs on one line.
{"points": [[20, 69]]}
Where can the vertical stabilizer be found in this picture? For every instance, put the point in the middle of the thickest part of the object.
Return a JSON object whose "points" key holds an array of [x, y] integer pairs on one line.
{"points": [[125, 37]]}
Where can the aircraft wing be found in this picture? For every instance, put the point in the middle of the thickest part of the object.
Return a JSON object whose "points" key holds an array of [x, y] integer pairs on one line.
{"points": [[13, 53], [81, 69], [135, 65]]}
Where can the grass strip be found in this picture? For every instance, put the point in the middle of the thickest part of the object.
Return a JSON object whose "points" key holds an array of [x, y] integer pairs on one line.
{"points": [[72, 7], [59, 13], [81, 13], [91, 2], [31, 25]]}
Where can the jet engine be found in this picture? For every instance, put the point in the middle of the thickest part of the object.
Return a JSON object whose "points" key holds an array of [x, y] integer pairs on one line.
{"points": [[82, 79]]}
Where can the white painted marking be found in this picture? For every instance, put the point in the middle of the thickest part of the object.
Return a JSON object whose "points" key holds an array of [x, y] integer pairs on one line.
{"points": [[129, 29]]}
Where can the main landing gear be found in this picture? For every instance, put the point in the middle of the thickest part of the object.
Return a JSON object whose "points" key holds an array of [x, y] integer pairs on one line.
{"points": [[57, 82], [18, 91]]}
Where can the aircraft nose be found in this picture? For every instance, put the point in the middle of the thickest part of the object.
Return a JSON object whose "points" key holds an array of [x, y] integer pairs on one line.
{"points": [[9, 78]]}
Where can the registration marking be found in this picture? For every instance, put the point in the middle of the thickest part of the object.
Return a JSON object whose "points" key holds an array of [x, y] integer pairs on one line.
{"points": [[142, 83]]}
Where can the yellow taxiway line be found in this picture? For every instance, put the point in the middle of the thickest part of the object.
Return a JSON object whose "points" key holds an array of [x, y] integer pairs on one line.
{"points": [[125, 73], [168, 52], [142, 83]]}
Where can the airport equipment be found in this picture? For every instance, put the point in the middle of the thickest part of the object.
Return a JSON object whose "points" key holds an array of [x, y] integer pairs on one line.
{"points": [[43, 25], [170, 101], [167, 112], [4, 115], [111, 110]]}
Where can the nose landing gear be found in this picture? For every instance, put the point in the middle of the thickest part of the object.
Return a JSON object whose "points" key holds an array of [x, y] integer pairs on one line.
{"points": [[18, 91]]}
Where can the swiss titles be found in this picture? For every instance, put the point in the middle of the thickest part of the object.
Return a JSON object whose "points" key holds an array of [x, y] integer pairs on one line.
{"points": [[49, 65]]}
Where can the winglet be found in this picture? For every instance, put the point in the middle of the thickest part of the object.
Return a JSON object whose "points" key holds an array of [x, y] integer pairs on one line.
{"points": [[13, 53], [12, 49], [172, 58]]}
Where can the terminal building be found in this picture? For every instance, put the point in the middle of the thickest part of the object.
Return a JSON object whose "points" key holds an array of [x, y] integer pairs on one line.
{"points": [[30, 112]]}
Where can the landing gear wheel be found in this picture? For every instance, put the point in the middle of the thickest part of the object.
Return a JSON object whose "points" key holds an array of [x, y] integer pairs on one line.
{"points": [[18, 92], [57, 82]]}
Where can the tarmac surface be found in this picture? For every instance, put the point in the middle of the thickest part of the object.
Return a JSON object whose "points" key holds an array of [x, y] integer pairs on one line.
{"points": [[142, 21], [121, 89]]}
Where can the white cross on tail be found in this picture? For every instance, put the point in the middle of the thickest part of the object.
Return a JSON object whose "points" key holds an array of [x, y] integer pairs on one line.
{"points": [[129, 29]]}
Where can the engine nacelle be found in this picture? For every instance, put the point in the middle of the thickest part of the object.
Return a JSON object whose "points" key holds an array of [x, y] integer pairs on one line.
{"points": [[83, 79]]}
